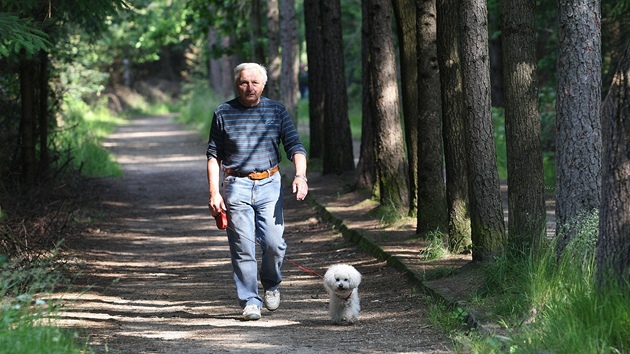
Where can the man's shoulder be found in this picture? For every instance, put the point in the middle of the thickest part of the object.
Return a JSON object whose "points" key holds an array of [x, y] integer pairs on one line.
{"points": [[267, 102]]}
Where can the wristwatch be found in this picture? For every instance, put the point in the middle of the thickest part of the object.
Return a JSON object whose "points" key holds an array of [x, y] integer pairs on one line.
{"points": [[302, 177]]}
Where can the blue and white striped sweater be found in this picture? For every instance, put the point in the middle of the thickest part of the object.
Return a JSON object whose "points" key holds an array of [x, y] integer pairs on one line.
{"points": [[247, 139]]}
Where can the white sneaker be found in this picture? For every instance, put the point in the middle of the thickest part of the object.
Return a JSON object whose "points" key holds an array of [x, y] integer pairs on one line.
{"points": [[272, 299], [251, 312]]}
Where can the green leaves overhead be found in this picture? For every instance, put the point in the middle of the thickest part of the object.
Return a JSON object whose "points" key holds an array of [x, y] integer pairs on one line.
{"points": [[18, 34]]}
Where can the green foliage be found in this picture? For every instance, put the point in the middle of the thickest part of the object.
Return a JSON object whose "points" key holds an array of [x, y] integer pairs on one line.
{"points": [[551, 303], [436, 249], [498, 119], [198, 104], [26, 318], [79, 139], [447, 319], [18, 34]]}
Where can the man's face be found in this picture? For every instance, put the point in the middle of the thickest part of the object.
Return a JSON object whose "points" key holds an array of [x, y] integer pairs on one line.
{"points": [[249, 87]]}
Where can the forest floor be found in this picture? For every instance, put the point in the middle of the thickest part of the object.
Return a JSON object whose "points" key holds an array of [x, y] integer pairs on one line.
{"points": [[155, 275]]}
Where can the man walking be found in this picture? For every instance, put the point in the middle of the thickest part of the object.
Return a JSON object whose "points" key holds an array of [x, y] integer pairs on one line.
{"points": [[244, 143]]}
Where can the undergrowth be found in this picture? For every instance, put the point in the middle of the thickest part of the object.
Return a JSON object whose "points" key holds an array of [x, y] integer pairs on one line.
{"points": [[549, 303]]}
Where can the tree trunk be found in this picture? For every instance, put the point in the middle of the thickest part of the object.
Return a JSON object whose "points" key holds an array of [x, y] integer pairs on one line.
{"points": [[289, 72], [405, 14], [258, 50], [215, 73], [578, 116], [432, 210], [27, 123], [316, 68], [488, 229], [526, 202], [454, 127], [273, 51], [44, 158], [613, 248], [366, 168], [391, 163], [338, 154]]}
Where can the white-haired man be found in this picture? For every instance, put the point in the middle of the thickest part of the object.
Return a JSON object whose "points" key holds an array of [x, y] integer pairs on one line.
{"points": [[244, 142]]}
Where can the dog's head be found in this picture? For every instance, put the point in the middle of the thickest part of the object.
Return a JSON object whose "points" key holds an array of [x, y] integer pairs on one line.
{"points": [[341, 277]]}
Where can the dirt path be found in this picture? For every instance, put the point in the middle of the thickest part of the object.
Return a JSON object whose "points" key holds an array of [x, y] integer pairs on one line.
{"points": [[156, 276]]}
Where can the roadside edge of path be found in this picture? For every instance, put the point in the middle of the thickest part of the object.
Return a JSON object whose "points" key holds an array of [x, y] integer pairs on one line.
{"points": [[363, 241]]}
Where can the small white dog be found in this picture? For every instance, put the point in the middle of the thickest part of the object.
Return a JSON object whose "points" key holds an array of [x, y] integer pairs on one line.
{"points": [[342, 284]]}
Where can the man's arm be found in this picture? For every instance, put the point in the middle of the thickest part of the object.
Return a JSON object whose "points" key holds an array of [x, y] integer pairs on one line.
{"points": [[215, 202], [300, 185]]}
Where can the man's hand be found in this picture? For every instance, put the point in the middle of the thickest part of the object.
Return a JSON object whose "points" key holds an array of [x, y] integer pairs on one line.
{"points": [[300, 188]]}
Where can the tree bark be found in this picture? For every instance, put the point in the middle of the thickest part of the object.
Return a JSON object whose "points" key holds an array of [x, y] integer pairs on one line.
{"points": [[391, 163], [613, 247], [454, 127], [27, 122], [316, 69], [258, 50], [405, 14], [366, 168], [338, 154], [526, 202], [44, 156], [289, 71], [578, 116], [273, 51], [488, 229], [432, 210]]}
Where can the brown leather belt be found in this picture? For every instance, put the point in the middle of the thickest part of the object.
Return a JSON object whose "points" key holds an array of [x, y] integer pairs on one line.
{"points": [[253, 175]]}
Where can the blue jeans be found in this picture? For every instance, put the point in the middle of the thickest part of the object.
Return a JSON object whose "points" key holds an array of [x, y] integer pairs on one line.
{"points": [[254, 210]]}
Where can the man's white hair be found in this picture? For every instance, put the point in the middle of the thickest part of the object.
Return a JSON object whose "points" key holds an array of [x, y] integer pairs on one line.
{"points": [[247, 66]]}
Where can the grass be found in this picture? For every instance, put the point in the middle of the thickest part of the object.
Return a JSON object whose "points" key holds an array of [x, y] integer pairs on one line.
{"points": [[436, 249], [550, 304], [27, 323], [80, 136]]}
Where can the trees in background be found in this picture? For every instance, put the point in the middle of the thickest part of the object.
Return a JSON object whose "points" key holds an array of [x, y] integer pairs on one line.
{"points": [[453, 125], [315, 53], [613, 247], [406, 29], [432, 209], [338, 154], [33, 30], [578, 118], [236, 30], [389, 149], [527, 222], [486, 211]]}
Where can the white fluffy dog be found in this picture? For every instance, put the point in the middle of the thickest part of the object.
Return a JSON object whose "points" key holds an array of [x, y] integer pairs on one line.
{"points": [[342, 284]]}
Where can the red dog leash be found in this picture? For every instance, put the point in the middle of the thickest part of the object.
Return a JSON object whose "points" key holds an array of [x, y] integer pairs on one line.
{"points": [[304, 268]]}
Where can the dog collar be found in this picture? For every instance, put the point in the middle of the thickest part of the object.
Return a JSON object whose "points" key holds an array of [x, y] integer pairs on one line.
{"points": [[346, 297]]}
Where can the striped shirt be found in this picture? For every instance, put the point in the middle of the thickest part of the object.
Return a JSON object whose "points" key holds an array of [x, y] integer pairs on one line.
{"points": [[247, 139]]}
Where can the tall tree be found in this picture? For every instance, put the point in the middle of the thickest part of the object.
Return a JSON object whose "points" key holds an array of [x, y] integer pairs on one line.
{"points": [[526, 203], [366, 167], [338, 153], [289, 71], [258, 50], [274, 58], [405, 14], [390, 160], [488, 229], [578, 116], [316, 70], [32, 66], [454, 127], [613, 247], [432, 210]]}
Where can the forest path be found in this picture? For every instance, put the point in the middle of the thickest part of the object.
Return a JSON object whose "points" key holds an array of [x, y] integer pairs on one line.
{"points": [[156, 275]]}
